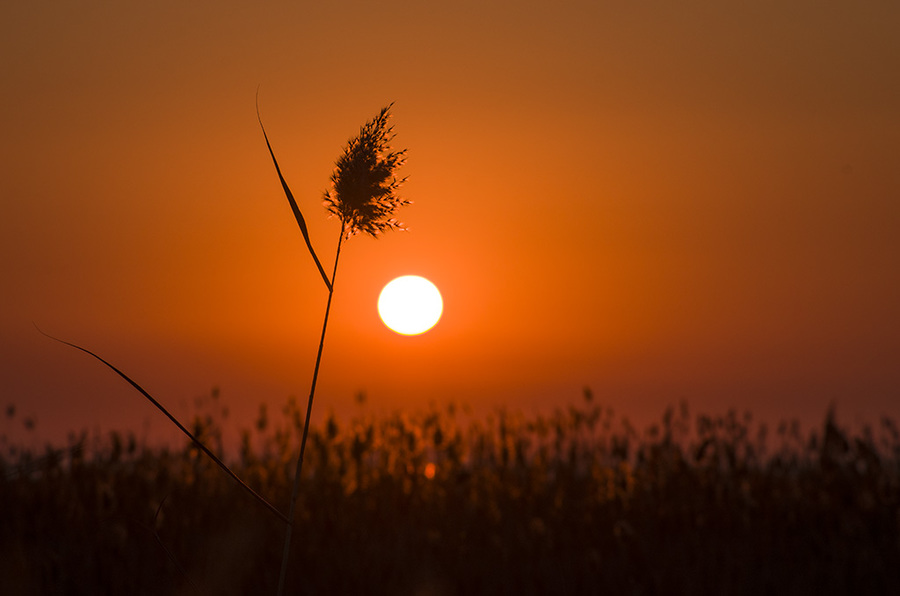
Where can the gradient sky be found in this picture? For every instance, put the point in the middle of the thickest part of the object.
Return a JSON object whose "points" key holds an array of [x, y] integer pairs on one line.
{"points": [[661, 201]]}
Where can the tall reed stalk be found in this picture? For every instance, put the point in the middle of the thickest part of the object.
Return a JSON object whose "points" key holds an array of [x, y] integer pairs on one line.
{"points": [[363, 195]]}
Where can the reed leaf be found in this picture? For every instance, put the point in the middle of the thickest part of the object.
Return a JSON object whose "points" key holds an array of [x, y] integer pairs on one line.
{"points": [[180, 426], [294, 207]]}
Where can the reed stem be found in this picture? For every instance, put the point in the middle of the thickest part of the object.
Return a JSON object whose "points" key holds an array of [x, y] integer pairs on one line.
{"points": [[312, 392]]}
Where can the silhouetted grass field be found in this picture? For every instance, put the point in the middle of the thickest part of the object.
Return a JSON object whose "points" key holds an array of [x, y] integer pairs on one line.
{"points": [[441, 502]]}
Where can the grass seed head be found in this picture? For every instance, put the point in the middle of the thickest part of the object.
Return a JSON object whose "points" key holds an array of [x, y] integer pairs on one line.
{"points": [[364, 185]]}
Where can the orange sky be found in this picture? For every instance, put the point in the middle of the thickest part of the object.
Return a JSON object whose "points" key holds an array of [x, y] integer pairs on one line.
{"points": [[661, 202]]}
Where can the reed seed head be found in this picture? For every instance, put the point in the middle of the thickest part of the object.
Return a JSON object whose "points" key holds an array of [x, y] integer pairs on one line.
{"points": [[363, 191]]}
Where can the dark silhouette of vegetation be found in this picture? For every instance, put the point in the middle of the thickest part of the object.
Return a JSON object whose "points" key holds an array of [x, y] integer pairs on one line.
{"points": [[363, 195], [441, 502]]}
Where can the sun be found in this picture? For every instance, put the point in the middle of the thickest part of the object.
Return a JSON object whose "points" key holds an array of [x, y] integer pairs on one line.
{"points": [[410, 305]]}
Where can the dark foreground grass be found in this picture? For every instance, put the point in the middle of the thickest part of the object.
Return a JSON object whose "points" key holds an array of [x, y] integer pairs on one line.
{"points": [[437, 502]]}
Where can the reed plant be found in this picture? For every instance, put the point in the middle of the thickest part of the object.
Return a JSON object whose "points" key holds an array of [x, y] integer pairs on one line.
{"points": [[363, 195]]}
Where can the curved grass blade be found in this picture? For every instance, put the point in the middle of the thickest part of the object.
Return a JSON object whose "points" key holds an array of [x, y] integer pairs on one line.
{"points": [[181, 427], [290, 197]]}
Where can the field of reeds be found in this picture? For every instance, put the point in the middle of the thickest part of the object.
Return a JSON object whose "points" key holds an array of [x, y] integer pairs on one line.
{"points": [[443, 502]]}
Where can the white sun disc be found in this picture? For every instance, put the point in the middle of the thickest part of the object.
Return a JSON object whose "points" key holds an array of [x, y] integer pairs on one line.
{"points": [[410, 305]]}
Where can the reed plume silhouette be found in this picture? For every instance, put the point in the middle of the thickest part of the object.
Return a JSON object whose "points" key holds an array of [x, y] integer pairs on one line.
{"points": [[363, 191]]}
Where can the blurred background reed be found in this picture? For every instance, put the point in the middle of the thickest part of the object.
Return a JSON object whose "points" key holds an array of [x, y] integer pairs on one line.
{"points": [[443, 501]]}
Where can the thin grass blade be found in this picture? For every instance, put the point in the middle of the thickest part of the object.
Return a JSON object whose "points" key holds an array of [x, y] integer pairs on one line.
{"points": [[290, 197], [180, 426]]}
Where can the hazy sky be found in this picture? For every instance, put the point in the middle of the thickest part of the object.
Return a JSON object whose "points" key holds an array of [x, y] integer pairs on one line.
{"points": [[663, 201]]}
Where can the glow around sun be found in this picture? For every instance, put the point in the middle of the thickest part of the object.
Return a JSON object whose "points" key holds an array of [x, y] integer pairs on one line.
{"points": [[410, 305]]}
